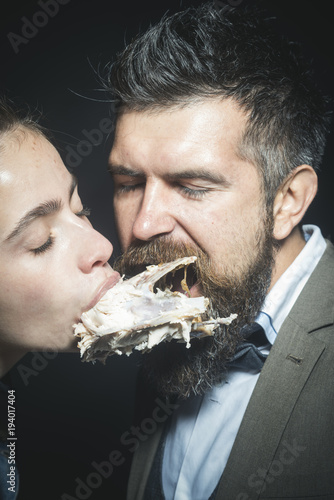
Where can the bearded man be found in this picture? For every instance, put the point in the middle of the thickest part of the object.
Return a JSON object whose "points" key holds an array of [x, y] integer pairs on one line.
{"points": [[220, 131]]}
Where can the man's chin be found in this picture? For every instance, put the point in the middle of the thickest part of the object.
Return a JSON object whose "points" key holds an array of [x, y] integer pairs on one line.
{"points": [[173, 370]]}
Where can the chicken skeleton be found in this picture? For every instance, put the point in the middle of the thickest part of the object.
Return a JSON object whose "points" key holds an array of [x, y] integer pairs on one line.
{"points": [[131, 315]]}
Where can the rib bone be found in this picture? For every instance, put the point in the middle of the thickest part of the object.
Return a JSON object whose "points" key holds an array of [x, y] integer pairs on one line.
{"points": [[131, 315]]}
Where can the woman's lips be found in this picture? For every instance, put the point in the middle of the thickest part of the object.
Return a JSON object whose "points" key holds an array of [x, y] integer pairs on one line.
{"points": [[109, 283]]}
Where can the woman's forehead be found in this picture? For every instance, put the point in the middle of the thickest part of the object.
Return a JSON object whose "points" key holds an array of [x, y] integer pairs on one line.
{"points": [[25, 153], [30, 173]]}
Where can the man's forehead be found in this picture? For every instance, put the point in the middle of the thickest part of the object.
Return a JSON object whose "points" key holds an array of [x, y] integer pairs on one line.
{"points": [[200, 137], [197, 122]]}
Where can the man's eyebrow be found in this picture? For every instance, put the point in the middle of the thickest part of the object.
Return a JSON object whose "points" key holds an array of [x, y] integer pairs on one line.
{"points": [[199, 173], [121, 170], [45, 208]]}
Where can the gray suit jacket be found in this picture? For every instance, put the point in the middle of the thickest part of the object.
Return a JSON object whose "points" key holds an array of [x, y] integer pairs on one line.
{"points": [[285, 445]]}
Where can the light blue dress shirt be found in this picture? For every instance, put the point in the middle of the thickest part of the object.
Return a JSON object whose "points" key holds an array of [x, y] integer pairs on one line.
{"points": [[204, 428]]}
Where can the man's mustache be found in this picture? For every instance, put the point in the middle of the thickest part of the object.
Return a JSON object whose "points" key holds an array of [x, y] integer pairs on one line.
{"points": [[164, 249]]}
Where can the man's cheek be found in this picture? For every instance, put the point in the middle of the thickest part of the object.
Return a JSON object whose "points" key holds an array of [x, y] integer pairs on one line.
{"points": [[126, 235], [124, 224]]}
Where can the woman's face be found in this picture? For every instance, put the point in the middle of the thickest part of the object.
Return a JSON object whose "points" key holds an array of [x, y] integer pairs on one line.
{"points": [[53, 264]]}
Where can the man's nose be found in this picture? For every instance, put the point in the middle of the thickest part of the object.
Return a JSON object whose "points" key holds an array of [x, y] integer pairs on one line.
{"points": [[155, 217], [94, 250]]}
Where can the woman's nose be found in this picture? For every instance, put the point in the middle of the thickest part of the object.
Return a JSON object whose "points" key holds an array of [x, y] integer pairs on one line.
{"points": [[95, 250]]}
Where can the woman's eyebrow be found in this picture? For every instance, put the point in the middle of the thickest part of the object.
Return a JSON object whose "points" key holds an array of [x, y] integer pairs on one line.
{"points": [[43, 209]]}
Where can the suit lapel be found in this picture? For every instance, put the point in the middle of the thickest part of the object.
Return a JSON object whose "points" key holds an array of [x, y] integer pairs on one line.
{"points": [[284, 374], [142, 464], [291, 361]]}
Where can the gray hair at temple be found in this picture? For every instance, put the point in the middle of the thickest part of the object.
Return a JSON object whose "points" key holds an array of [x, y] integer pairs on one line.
{"points": [[205, 52]]}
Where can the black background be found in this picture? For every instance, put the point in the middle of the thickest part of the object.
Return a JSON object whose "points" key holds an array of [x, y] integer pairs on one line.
{"points": [[70, 414]]}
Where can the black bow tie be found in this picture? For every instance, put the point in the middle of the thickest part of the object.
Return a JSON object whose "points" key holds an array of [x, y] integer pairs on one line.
{"points": [[247, 356]]}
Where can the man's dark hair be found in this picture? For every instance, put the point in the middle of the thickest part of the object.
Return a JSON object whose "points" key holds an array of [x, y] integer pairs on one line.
{"points": [[207, 53]]}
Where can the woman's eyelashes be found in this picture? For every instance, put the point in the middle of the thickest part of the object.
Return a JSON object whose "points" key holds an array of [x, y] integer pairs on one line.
{"points": [[84, 212], [43, 248]]}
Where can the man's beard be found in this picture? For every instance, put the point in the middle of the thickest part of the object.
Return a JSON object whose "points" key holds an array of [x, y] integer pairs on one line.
{"points": [[172, 369]]}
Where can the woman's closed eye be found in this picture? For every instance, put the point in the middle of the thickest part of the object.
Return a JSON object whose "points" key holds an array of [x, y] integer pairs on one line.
{"points": [[43, 248], [84, 212]]}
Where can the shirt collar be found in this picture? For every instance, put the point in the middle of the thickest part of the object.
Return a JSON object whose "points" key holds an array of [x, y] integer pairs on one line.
{"points": [[286, 290]]}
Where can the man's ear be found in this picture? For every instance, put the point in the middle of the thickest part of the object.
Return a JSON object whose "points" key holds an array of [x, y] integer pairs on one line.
{"points": [[292, 200]]}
